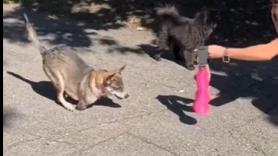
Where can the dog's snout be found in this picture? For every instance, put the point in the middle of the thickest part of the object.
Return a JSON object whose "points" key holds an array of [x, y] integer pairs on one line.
{"points": [[127, 95], [121, 95]]}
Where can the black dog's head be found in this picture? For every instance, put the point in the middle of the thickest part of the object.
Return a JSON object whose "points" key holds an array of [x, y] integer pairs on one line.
{"points": [[204, 20]]}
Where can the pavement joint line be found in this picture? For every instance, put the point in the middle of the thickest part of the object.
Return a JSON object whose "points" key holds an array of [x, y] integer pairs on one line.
{"points": [[247, 122], [254, 145], [84, 129], [114, 137], [37, 138], [122, 120], [115, 121], [256, 148], [80, 151], [18, 143], [143, 139]]}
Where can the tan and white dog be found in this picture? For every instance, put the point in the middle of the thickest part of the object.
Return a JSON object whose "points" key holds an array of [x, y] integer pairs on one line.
{"points": [[70, 74]]}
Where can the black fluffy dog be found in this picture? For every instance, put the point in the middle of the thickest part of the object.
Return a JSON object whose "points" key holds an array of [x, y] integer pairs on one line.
{"points": [[181, 34]]}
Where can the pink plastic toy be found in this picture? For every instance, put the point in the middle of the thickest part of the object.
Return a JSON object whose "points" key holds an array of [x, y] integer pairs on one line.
{"points": [[201, 103]]}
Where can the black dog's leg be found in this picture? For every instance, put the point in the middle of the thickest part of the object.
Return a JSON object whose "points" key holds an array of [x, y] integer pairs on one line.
{"points": [[189, 58], [162, 43], [195, 58], [176, 50]]}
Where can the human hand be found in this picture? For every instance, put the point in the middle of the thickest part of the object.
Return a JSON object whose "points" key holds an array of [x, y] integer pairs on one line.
{"points": [[216, 51]]}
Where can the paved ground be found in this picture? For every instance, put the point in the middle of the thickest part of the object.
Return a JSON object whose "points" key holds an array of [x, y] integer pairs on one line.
{"points": [[157, 119]]}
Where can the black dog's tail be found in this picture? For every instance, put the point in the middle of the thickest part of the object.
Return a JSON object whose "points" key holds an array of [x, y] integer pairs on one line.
{"points": [[32, 35], [168, 13]]}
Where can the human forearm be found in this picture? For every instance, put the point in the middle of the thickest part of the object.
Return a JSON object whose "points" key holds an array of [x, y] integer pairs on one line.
{"points": [[261, 52]]}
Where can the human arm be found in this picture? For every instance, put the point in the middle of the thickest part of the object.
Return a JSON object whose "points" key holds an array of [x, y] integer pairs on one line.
{"points": [[261, 52]]}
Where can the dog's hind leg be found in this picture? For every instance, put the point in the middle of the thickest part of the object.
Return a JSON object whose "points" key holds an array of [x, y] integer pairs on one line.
{"points": [[189, 59], [61, 89], [58, 83]]}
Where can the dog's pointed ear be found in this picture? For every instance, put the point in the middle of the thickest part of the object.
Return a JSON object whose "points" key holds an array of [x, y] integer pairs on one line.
{"points": [[206, 13], [121, 69], [109, 77], [202, 16]]}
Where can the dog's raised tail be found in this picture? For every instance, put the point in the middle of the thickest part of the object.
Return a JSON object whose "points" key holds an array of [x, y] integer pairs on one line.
{"points": [[169, 13], [32, 35]]}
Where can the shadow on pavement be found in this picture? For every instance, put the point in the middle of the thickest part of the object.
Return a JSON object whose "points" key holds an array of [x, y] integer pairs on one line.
{"points": [[7, 117], [257, 81], [178, 105]]}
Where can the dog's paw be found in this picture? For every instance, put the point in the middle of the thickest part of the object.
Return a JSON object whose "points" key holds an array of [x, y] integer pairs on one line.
{"points": [[190, 67], [157, 57], [70, 108], [80, 108], [196, 62]]}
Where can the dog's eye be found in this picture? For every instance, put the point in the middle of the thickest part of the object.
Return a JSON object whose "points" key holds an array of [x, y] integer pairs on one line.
{"points": [[116, 87]]}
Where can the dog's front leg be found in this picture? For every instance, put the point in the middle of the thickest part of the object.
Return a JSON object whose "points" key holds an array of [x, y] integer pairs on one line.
{"points": [[59, 84], [81, 105], [162, 43], [189, 59], [177, 50], [84, 102]]}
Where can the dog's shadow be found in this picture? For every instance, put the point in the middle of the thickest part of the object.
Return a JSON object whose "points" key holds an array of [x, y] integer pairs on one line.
{"points": [[152, 50], [46, 89], [178, 105]]}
